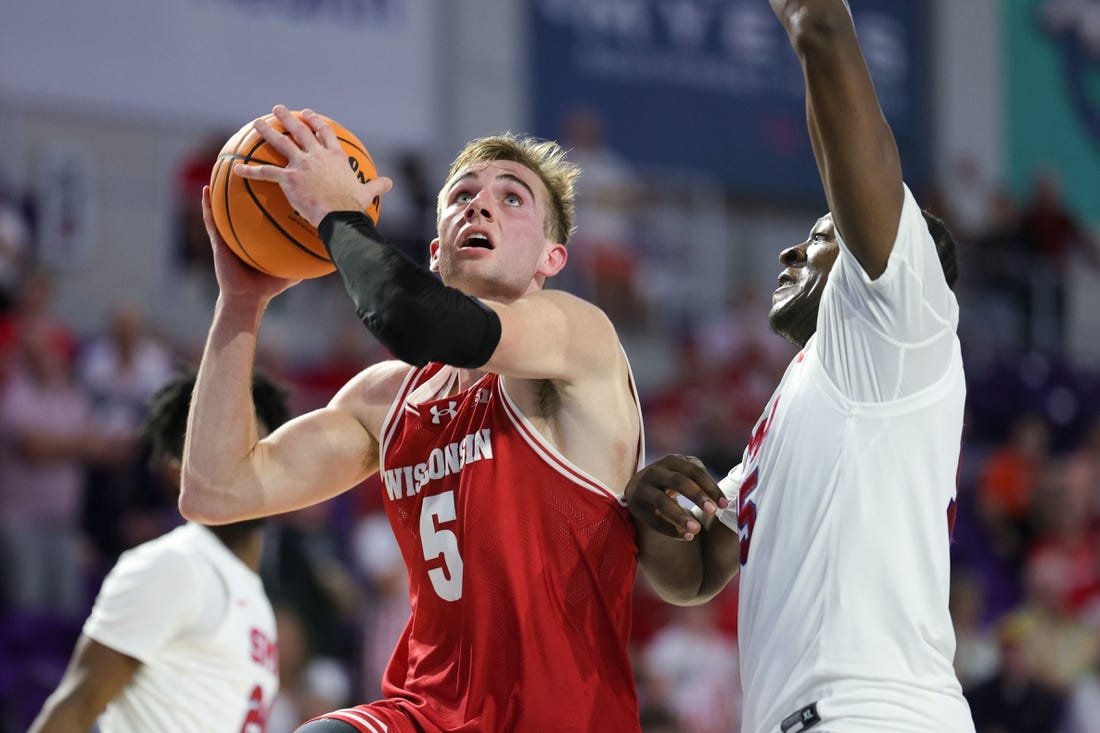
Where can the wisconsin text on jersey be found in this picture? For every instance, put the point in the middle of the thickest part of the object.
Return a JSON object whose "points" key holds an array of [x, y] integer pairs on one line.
{"points": [[406, 481]]}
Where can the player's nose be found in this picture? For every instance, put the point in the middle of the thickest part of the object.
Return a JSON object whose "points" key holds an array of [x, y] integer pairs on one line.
{"points": [[793, 256], [478, 206]]}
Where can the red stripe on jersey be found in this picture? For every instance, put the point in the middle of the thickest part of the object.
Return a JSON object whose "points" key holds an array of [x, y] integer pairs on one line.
{"points": [[390, 423]]}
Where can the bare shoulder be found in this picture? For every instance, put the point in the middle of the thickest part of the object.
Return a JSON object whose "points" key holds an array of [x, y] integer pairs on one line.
{"points": [[592, 416], [369, 394]]}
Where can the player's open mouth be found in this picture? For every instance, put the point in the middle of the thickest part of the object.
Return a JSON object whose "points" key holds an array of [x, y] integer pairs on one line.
{"points": [[479, 241]]}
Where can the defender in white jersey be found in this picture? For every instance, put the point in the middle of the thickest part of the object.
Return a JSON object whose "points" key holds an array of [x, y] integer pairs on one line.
{"points": [[182, 636], [840, 515]]}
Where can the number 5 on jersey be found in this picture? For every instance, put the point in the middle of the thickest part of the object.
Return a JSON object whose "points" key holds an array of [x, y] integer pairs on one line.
{"points": [[437, 510], [746, 513]]}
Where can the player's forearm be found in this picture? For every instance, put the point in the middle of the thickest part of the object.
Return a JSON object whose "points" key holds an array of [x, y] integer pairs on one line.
{"points": [[417, 317], [217, 484], [688, 573], [855, 150], [63, 715], [808, 19]]}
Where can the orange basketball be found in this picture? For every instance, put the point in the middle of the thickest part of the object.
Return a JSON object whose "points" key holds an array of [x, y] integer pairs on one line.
{"points": [[256, 220]]}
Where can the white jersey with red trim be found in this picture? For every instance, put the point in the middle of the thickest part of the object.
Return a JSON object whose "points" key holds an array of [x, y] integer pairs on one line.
{"points": [[844, 502], [197, 619]]}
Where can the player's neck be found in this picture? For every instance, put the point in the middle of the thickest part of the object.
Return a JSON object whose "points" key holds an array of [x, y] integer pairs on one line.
{"points": [[247, 546]]}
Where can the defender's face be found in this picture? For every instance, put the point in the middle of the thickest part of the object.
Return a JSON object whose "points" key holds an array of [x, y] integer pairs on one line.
{"points": [[806, 270], [492, 232]]}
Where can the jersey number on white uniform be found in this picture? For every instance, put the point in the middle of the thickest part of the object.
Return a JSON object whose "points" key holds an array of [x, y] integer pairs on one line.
{"points": [[436, 510], [746, 513]]}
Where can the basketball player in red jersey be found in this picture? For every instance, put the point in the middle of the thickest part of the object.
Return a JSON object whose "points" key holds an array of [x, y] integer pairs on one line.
{"points": [[503, 434]]}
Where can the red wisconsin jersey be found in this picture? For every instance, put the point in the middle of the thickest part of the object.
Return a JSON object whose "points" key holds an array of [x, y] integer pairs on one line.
{"points": [[520, 569]]}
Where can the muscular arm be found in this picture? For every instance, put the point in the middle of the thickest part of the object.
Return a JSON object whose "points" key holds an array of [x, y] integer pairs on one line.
{"points": [[689, 573], [228, 474], [95, 676], [687, 560], [856, 154]]}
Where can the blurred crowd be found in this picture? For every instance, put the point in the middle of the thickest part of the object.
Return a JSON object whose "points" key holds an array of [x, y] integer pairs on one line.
{"points": [[75, 490]]}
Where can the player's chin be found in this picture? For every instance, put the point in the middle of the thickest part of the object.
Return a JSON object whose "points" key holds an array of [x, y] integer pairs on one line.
{"points": [[781, 299]]}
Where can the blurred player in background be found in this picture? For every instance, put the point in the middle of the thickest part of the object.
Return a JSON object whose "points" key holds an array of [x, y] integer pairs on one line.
{"points": [[841, 512], [500, 435], [182, 636]]}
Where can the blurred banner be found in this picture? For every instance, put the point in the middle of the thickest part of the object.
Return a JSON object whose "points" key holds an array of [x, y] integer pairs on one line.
{"points": [[1052, 63], [369, 64], [713, 87]]}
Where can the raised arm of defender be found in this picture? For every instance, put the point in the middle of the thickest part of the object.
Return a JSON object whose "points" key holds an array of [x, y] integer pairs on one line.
{"points": [[857, 156]]}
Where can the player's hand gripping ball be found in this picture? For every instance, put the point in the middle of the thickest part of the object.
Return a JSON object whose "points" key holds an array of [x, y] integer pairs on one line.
{"points": [[255, 218]]}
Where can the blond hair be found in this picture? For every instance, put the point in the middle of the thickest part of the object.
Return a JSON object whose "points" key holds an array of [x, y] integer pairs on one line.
{"points": [[545, 158]]}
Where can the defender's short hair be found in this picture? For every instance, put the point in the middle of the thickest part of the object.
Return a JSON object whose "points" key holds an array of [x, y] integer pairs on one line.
{"points": [[166, 420]]}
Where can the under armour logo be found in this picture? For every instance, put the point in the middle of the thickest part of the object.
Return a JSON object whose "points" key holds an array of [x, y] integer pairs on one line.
{"points": [[449, 411], [482, 396]]}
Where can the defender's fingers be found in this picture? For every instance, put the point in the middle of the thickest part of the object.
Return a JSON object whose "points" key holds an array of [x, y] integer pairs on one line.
{"points": [[693, 469], [685, 526]]}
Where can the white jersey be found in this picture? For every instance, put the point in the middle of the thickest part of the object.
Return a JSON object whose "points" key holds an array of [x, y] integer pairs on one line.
{"points": [[844, 501], [198, 620]]}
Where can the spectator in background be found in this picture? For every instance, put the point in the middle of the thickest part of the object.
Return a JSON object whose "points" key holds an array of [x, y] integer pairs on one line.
{"points": [[1066, 540], [15, 248], [1009, 481], [694, 667], [386, 609], [1060, 647], [410, 206], [47, 438], [1052, 234], [121, 368], [606, 196], [33, 304], [309, 685], [182, 636], [1015, 699], [1001, 276], [976, 650], [192, 174], [304, 567], [659, 719], [1083, 706]]}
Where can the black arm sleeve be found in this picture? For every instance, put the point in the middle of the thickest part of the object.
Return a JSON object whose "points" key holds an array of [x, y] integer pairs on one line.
{"points": [[417, 317]]}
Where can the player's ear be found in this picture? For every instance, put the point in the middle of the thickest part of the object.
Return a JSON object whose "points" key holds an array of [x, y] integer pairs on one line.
{"points": [[554, 258], [433, 249]]}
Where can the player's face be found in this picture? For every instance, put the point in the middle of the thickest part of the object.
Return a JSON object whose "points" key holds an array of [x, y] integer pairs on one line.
{"points": [[806, 270], [492, 232]]}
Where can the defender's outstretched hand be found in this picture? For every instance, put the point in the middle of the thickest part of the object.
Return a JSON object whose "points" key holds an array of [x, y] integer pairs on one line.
{"points": [[316, 179], [652, 492]]}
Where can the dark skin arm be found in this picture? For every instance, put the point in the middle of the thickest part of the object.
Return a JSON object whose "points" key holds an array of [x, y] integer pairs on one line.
{"points": [[95, 675], [687, 561], [856, 154]]}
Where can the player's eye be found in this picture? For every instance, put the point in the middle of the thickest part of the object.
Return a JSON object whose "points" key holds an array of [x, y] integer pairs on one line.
{"points": [[513, 200], [463, 197]]}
